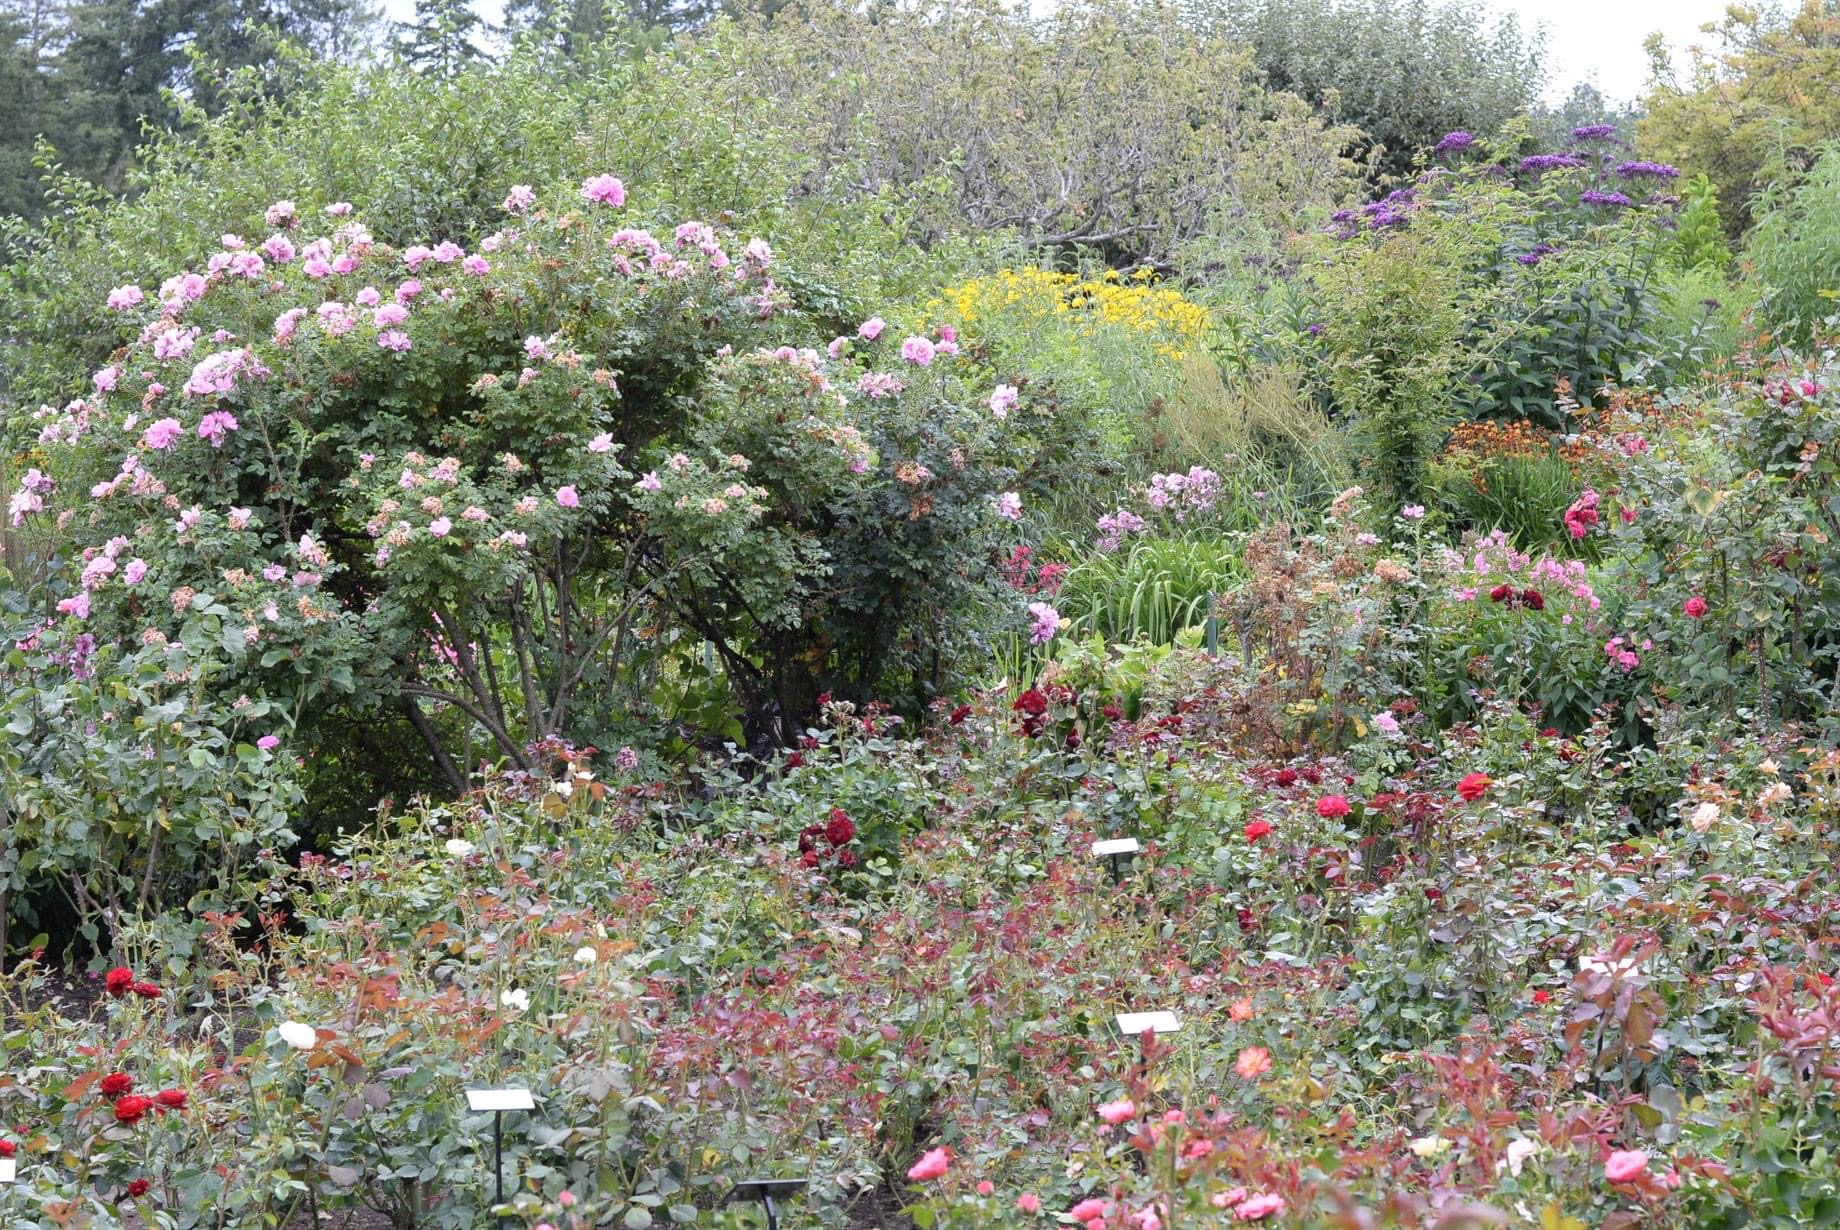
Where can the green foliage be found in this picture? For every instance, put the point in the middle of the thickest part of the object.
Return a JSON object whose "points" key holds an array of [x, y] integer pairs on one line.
{"points": [[1109, 124], [1699, 236], [1397, 312], [1404, 72], [1754, 104], [1795, 248], [1149, 589], [1522, 496]]}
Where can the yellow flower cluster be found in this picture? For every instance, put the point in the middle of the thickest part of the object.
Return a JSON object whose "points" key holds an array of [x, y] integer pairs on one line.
{"points": [[1111, 301]]}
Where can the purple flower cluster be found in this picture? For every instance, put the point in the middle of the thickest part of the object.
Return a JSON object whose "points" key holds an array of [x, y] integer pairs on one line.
{"points": [[1592, 196], [1454, 141], [1647, 170], [1532, 255], [1594, 132], [1533, 164]]}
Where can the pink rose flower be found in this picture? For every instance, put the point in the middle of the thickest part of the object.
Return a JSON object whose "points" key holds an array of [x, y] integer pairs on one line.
{"points": [[1624, 1165], [932, 1164]]}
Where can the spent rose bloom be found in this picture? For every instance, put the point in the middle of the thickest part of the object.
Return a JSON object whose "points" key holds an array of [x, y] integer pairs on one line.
{"points": [[1008, 505], [871, 328]]}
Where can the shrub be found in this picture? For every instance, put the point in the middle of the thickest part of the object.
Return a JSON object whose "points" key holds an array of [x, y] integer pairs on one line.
{"points": [[1796, 253], [472, 488]]}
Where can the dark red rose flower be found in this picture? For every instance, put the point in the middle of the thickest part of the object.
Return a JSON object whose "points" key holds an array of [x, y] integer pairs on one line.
{"points": [[1533, 600], [1247, 921], [1031, 702], [824, 698], [139, 1188], [118, 980], [1073, 740], [808, 859], [1111, 712], [1549, 732], [1256, 829], [1501, 593], [116, 1083], [8, 1148], [809, 743], [1434, 894], [170, 1099], [839, 831], [1287, 777], [146, 990], [959, 715], [846, 858], [131, 1109], [1312, 775], [795, 760]]}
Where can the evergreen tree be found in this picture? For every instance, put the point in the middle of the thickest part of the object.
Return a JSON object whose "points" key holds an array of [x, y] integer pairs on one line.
{"points": [[444, 38]]}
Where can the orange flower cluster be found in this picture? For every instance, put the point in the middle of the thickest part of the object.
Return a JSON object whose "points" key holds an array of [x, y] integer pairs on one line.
{"points": [[1492, 439]]}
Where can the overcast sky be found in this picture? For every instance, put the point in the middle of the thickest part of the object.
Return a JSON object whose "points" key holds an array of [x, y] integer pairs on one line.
{"points": [[1599, 41]]}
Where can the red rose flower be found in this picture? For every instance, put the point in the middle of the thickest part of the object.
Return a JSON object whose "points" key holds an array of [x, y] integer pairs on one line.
{"points": [[8, 1148], [840, 830], [808, 859], [1540, 997], [1474, 786], [116, 1083], [139, 1188], [1312, 775], [1257, 829], [1332, 807], [170, 1099], [131, 1109], [1287, 777], [959, 715], [1533, 600], [1501, 593], [1111, 712], [796, 760], [1695, 607], [846, 858], [146, 990], [118, 980], [1248, 921]]}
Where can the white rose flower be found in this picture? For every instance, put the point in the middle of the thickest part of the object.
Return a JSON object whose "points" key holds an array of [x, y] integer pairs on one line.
{"points": [[586, 955], [517, 999], [300, 1037], [459, 848]]}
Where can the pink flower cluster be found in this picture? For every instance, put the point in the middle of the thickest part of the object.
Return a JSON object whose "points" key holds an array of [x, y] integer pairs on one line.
{"points": [[1581, 515]]}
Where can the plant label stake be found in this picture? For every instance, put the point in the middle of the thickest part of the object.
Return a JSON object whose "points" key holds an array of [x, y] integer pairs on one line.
{"points": [[498, 1101], [9, 1169], [1117, 849], [1142, 1025], [764, 1190]]}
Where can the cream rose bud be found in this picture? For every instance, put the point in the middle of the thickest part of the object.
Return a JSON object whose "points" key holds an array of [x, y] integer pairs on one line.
{"points": [[297, 1035]]}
